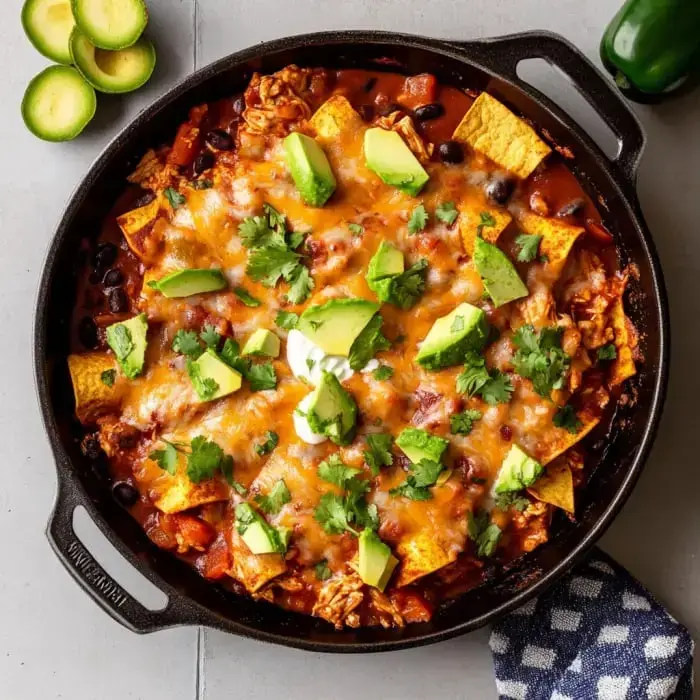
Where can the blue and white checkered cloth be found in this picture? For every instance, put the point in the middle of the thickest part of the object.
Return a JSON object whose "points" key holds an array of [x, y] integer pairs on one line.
{"points": [[596, 635]]}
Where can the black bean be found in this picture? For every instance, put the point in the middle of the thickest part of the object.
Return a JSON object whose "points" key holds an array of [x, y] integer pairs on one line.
{"points": [[125, 494], [113, 278], [427, 112], [366, 112], [573, 208], [203, 161], [219, 140], [499, 189], [144, 199], [91, 447], [239, 105], [104, 257], [87, 332], [370, 84], [118, 301], [451, 152]]}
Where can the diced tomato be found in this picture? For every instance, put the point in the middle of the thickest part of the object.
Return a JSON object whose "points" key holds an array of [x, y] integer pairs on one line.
{"points": [[194, 532], [413, 606], [216, 562], [418, 90], [186, 145], [197, 114]]}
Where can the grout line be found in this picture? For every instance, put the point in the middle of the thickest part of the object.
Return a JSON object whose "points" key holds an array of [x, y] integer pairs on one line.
{"points": [[195, 47], [199, 667]]}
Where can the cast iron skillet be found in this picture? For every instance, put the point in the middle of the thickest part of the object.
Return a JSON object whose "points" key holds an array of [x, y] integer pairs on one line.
{"points": [[619, 450]]}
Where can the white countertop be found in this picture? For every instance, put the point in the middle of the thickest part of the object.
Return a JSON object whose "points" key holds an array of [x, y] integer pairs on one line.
{"points": [[56, 643]]}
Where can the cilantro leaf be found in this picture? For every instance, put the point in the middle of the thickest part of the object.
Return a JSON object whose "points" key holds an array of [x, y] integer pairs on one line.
{"points": [[361, 512], [512, 499], [370, 341], [204, 459], [462, 423], [187, 343], [268, 265], [246, 297], [498, 389], [336, 472], [331, 514], [487, 220], [287, 320], [607, 352], [323, 573], [166, 458], [227, 470], [261, 377], [484, 533], [272, 503], [246, 516], [423, 475], [447, 213], [121, 342], [383, 372], [210, 336], [405, 289], [231, 355], [301, 284], [566, 418], [108, 377], [205, 387], [378, 454], [174, 197], [540, 358], [529, 245], [493, 386], [202, 184], [356, 229], [418, 220], [256, 232], [271, 441]]}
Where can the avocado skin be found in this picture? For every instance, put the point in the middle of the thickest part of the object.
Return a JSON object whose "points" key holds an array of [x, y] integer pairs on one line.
{"points": [[518, 471], [501, 279], [419, 444], [332, 411]]}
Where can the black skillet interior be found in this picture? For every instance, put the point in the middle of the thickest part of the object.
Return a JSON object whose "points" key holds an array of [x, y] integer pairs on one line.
{"points": [[620, 455]]}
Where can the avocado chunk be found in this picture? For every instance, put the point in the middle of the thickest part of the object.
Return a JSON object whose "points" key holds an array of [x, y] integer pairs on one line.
{"points": [[501, 279], [310, 169], [517, 472], [48, 25], [111, 24], [214, 378], [332, 411], [262, 342], [258, 534], [128, 342], [386, 262], [335, 325], [113, 71], [186, 283], [376, 562], [452, 336], [58, 104], [387, 155], [419, 444]]}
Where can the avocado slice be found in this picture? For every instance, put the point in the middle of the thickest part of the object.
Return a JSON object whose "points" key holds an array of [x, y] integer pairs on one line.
{"points": [[501, 279], [258, 534], [111, 24], [212, 367], [517, 472], [58, 104], [386, 262], [387, 155], [332, 411], [262, 342], [113, 71], [186, 283], [310, 169], [48, 25], [376, 562], [128, 342], [419, 444], [335, 325], [452, 336]]}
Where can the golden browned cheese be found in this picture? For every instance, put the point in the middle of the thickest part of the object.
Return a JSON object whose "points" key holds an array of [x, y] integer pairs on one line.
{"points": [[203, 232]]}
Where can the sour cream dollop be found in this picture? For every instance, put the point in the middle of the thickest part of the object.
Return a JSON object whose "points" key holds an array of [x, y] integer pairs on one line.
{"points": [[301, 425]]}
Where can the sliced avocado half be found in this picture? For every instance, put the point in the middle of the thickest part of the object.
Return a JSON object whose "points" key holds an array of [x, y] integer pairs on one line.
{"points": [[113, 71], [111, 24], [501, 279], [376, 563], [332, 411], [419, 444], [128, 342], [212, 367], [387, 155], [58, 104], [517, 472], [48, 25], [186, 283], [310, 169], [262, 342], [452, 336]]}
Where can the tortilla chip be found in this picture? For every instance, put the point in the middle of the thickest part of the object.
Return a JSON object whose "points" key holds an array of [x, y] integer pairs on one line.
{"points": [[623, 366], [557, 237], [420, 554], [148, 166], [556, 487], [564, 439], [137, 224], [492, 129], [181, 494], [470, 220], [334, 117], [253, 570], [92, 396]]}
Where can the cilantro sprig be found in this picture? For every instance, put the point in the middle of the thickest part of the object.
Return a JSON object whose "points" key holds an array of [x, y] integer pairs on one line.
{"points": [[566, 418], [446, 212], [271, 441], [204, 459], [540, 358], [484, 533], [378, 452], [528, 246], [370, 341], [418, 220], [493, 386], [272, 503], [417, 485], [462, 423]]}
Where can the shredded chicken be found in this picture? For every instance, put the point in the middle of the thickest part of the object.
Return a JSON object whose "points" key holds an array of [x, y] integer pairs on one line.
{"points": [[407, 130], [533, 521], [338, 599], [385, 610], [153, 174]]}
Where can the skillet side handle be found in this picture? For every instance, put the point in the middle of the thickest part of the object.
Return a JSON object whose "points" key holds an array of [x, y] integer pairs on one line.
{"points": [[503, 54], [98, 584]]}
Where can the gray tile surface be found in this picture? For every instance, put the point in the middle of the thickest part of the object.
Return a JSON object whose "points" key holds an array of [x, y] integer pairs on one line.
{"points": [[56, 643]]}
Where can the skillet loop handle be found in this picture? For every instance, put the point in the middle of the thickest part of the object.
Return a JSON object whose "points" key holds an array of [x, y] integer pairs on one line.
{"points": [[97, 583], [504, 53]]}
